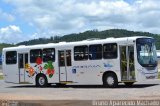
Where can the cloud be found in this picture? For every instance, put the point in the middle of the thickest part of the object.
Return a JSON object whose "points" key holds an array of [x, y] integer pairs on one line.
{"points": [[11, 34], [6, 16], [69, 16]]}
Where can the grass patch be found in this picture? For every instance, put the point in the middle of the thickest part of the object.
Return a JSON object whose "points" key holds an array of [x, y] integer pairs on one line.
{"points": [[1, 77]]}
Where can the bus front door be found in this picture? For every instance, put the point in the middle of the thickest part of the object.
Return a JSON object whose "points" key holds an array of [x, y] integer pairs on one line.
{"points": [[64, 59], [127, 63], [22, 60]]}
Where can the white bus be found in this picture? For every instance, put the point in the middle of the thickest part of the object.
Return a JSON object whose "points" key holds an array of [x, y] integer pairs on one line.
{"points": [[94, 61]]}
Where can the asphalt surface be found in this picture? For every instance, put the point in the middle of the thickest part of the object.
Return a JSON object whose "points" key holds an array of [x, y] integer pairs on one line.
{"points": [[149, 90]]}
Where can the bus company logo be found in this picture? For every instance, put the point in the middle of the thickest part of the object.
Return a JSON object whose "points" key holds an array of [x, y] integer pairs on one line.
{"points": [[107, 65], [74, 68], [86, 66]]}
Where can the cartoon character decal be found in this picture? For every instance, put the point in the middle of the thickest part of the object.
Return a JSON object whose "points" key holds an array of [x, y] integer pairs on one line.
{"points": [[31, 72], [48, 67], [38, 66]]}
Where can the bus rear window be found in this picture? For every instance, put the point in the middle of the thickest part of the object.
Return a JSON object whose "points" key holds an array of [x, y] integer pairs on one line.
{"points": [[11, 57]]}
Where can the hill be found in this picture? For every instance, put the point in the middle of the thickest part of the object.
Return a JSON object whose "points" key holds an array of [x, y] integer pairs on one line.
{"points": [[92, 34], [86, 35], [3, 45]]}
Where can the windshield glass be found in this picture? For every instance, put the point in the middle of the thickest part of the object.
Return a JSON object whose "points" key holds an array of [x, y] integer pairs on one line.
{"points": [[146, 52]]}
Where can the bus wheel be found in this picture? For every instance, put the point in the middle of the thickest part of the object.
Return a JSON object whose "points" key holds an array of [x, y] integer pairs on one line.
{"points": [[110, 80], [129, 84], [41, 81]]}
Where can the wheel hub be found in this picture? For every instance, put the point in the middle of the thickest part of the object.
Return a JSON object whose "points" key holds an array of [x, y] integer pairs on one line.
{"points": [[41, 81], [110, 80]]}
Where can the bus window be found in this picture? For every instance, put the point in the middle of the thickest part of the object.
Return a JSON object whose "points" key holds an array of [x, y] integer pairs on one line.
{"points": [[68, 57], [110, 51], [61, 58], [26, 58], [21, 61], [80, 53], [11, 57], [34, 54], [95, 52], [49, 54]]}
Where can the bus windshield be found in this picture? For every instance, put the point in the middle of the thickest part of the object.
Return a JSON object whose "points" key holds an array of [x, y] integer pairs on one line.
{"points": [[146, 52]]}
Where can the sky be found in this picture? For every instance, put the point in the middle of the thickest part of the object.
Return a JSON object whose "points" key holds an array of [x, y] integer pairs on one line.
{"points": [[22, 20]]}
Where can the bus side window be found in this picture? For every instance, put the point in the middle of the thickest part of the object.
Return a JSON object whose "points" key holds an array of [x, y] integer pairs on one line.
{"points": [[61, 59], [68, 57], [81, 53], [95, 52], [11, 57], [34, 54], [49, 54], [110, 51], [20, 57]]}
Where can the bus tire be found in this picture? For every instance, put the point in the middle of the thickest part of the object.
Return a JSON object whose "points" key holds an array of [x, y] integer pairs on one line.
{"points": [[41, 81], [110, 80], [128, 84]]}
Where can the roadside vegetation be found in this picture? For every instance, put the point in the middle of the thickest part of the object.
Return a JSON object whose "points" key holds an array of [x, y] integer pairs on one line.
{"points": [[158, 75], [1, 77], [116, 33]]}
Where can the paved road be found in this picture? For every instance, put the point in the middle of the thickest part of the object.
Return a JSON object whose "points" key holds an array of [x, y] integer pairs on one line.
{"points": [[144, 90]]}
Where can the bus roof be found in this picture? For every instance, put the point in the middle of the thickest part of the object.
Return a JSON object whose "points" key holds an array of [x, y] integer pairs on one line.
{"points": [[83, 42]]}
